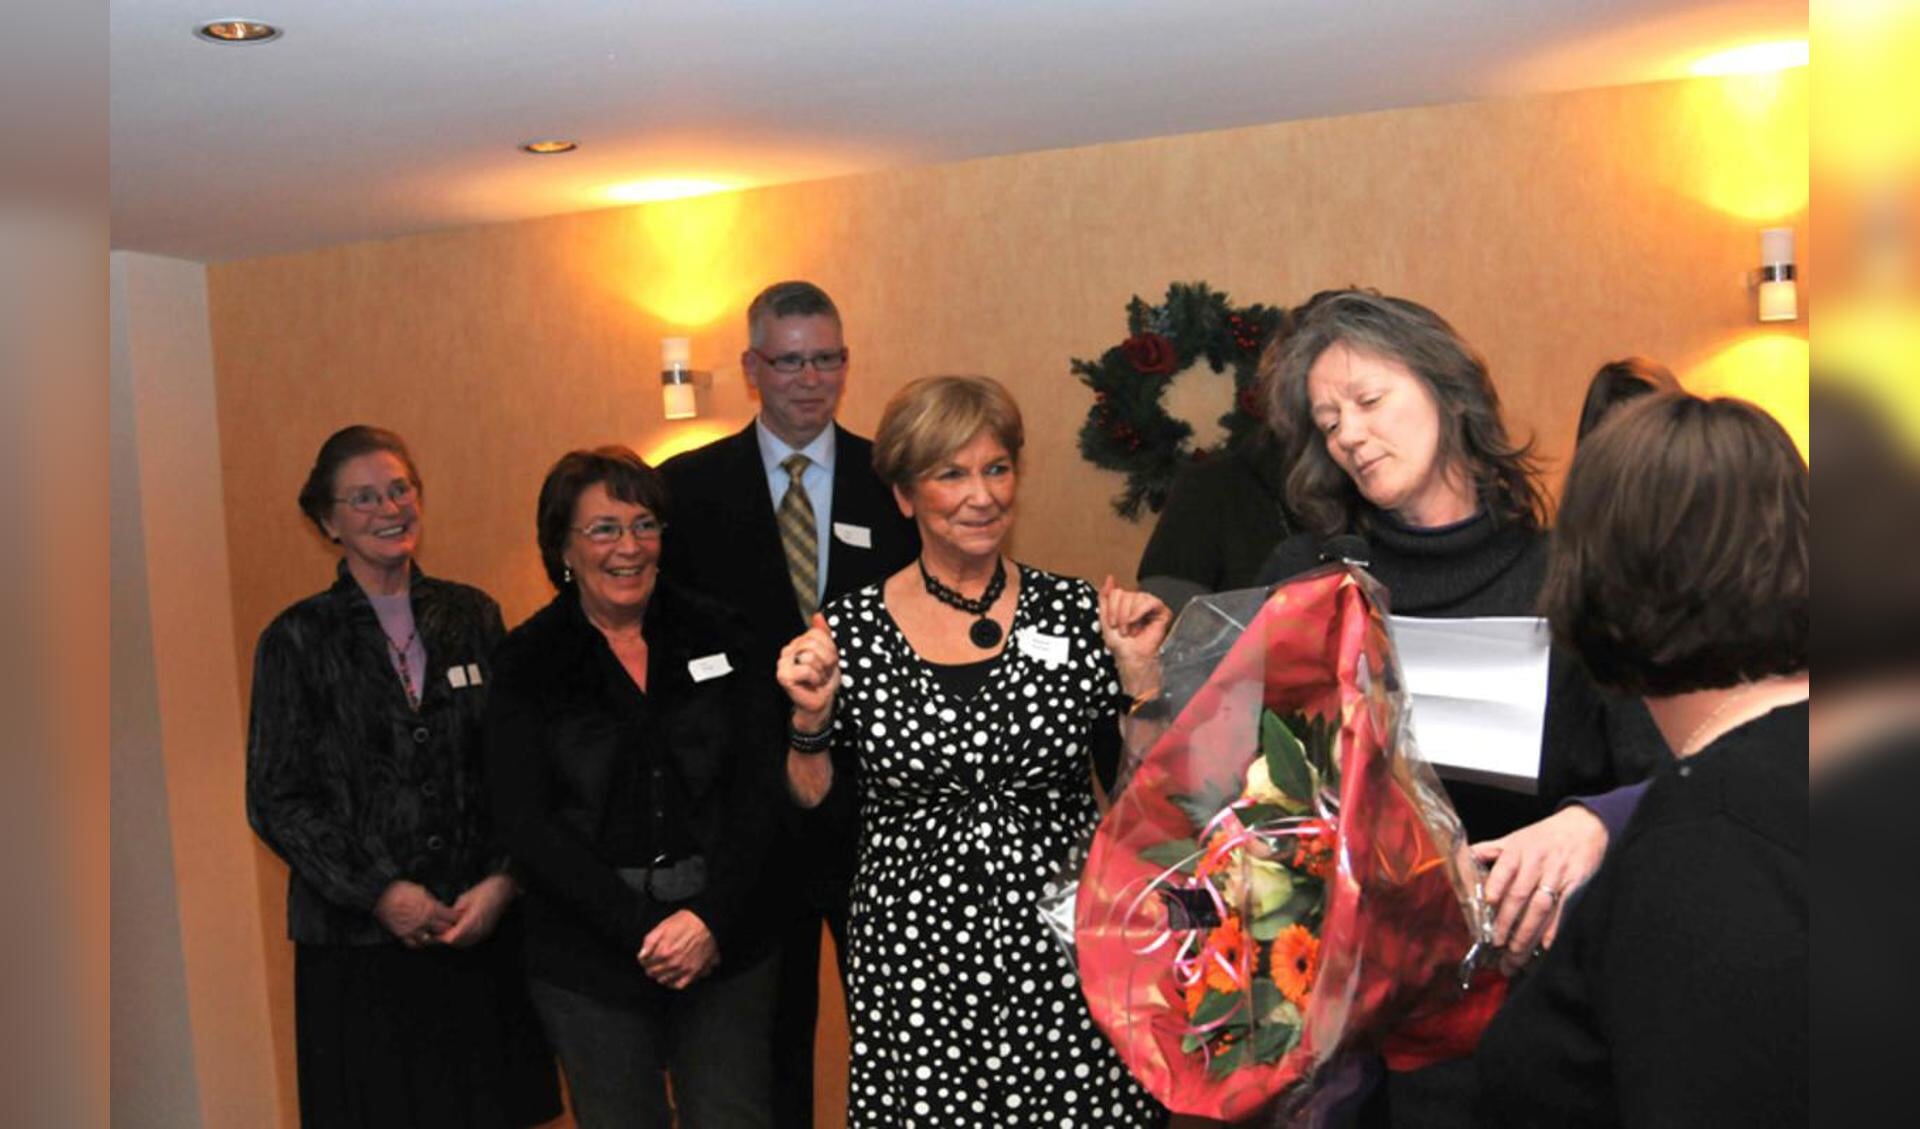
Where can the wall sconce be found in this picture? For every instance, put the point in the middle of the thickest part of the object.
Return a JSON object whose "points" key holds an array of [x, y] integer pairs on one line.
{"points": [[1778, 293], [679, 381]]}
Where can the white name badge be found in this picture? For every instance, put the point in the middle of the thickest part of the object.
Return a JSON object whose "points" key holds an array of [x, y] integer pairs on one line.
{"points": [[457, 676], [1049, 649], [859, 536], [709, 667]]}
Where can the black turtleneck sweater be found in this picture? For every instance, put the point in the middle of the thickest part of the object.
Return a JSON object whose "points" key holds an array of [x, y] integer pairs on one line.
{"points": [[1592, 741]]}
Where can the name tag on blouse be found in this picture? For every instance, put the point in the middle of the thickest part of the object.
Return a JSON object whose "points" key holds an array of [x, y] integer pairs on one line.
{"points": [[461, 677], [709, 667], [1049, 649]]}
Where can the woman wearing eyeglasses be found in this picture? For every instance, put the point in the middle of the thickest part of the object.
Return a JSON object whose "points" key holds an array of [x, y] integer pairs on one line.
{"points": [[363, 773], [633, 758]]}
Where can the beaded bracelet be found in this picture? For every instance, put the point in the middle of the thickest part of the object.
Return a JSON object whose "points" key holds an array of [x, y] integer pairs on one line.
{"points": [[810, 743]]}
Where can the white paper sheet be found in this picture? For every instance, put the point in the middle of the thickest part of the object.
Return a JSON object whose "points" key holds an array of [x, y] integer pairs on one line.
{"points": [[1479, 689]]}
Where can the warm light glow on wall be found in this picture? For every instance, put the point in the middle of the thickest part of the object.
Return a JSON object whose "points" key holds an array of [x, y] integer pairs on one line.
{"points": [[1748, 156], [1873, 347], [1770, 369], [654, 191], [692, 268], [1754, 58], [685, 438]]}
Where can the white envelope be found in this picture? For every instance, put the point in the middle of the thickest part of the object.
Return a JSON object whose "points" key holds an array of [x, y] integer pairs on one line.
{"points": [[1479, 690]]}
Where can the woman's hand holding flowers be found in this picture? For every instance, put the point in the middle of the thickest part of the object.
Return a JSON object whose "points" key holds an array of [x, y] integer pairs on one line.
{"points": [[1532, 871]]}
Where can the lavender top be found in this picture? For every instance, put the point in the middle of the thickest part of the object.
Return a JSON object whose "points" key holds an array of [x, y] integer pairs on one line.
{"points": [[1614, 808], [396, 619]]}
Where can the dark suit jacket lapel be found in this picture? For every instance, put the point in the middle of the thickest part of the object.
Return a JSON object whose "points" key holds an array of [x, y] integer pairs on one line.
{"points": [[849, 566]]}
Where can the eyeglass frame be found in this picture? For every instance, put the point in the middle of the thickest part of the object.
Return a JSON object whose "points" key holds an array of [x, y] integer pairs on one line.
{"points": [[407, 490], [800, 361], [657, 528]]}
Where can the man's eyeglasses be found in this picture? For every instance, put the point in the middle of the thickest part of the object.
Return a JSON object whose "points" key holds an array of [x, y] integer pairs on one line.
{"points": [[367, 499], [827, 360], [606, 531]]}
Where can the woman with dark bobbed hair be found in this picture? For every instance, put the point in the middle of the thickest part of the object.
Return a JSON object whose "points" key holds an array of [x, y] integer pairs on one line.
{"points": [[633, 760], [1677, 992], [364, 774], [1621, 382]]}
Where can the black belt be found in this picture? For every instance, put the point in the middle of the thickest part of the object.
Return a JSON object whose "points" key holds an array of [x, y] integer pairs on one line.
{"points": [[668, 881]]}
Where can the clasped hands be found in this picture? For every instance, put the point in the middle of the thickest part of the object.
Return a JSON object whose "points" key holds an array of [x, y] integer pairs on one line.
{"points": [[679, 950], [410, 912]]}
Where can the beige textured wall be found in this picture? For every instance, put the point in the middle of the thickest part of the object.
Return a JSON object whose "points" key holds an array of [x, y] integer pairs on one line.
{"points": [[164, 350], [1555, 231]]}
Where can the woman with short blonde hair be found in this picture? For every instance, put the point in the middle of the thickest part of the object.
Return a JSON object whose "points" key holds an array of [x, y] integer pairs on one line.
{"points": [[950, 713]]}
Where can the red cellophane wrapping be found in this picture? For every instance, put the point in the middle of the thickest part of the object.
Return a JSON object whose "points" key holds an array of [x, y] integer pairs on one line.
{"points": [[1393, 910]]}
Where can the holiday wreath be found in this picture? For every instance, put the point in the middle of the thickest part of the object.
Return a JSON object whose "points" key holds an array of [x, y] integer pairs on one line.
{"points": [[1128, 428]]}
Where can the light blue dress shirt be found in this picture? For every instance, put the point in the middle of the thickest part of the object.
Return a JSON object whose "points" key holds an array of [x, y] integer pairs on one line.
{"points": [[817, 482]]}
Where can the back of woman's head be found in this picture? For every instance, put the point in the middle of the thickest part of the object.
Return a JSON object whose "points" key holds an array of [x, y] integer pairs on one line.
{"points": [[1472, 433], [1621, 382], [1680, 558]]}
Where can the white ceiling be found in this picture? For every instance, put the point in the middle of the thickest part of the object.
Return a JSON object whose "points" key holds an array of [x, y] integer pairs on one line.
{"points": [[373, 118]]}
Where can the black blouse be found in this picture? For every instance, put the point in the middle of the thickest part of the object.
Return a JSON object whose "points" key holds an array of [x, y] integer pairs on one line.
{"points": [[571, 750], [1677, 992], [345, 780]]}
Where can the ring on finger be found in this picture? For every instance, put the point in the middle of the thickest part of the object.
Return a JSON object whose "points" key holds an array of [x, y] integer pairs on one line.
{"points": [[1552, 892]]}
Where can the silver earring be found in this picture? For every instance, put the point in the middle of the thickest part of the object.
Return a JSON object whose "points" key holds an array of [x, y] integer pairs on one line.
{"points": [[566, 574]]}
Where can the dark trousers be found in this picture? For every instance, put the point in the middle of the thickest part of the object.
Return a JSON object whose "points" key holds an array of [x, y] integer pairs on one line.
{"points": [[711, 1038], [796, 1012]]}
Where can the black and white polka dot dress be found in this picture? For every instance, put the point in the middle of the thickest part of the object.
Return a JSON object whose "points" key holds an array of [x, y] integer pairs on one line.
{"points": [[964, 1010]]}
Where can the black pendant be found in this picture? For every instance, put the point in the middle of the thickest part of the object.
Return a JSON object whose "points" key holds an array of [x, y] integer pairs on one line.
{"points": [[985, 634]]}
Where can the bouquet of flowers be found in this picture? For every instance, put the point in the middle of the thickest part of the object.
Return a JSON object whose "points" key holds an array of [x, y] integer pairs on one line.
{"points": [[1281, 878]]}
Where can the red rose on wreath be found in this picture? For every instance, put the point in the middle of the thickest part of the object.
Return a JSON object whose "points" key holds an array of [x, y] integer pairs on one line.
{"points": [[1150, 354]]}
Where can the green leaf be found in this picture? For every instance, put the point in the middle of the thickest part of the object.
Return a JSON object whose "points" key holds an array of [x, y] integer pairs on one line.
{"points": [[1228, 1061], [1203, 805], [1267, 999], [1272, 1041], [1254, 815], [1215, 1006], [1286, 757], [1181, 853], [1270, 925]]}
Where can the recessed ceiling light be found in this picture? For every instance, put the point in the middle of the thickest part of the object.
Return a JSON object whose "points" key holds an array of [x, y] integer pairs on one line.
{"points": [[547, 146], [237, 31], [1755, 58]]}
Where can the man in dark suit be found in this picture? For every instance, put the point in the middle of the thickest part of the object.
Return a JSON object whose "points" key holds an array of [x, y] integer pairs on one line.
{"points": [[778, 520]]}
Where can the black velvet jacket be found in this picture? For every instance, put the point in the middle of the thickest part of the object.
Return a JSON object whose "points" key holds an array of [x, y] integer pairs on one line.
{"points": [[345, 781], [558, 735]]}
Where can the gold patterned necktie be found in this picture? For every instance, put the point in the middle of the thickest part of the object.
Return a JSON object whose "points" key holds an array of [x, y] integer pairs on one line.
{"points": [[799, 537]]}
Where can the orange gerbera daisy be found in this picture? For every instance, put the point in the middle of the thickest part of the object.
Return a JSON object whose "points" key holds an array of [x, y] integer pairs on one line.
{"points": [[1226, 948], [1295, 962]]}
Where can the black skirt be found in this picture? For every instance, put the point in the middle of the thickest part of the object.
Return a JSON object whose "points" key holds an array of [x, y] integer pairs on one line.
{"points": [[435, 1038]]}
